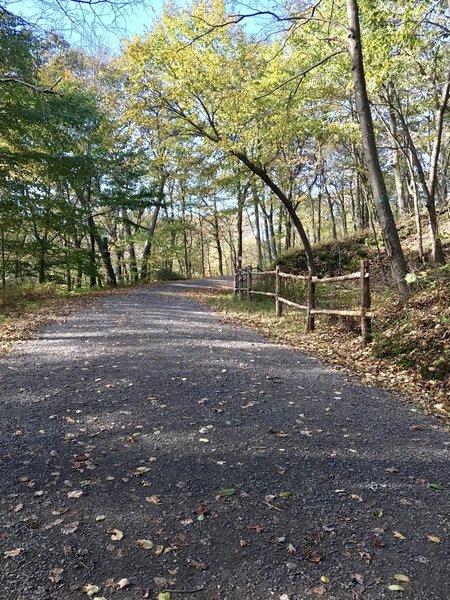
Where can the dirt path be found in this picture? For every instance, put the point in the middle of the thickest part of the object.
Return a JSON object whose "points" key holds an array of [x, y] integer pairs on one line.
{"points": [[131, 417]]}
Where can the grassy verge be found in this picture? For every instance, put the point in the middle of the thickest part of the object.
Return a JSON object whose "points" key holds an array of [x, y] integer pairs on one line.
{"points": [[338, 342]]}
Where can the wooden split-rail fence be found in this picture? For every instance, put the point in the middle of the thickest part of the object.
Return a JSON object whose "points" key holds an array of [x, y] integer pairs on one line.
{"points": [[245, 278]]}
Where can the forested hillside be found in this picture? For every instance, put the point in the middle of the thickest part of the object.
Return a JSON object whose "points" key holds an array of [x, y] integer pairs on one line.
{"points": [[221, 134]]}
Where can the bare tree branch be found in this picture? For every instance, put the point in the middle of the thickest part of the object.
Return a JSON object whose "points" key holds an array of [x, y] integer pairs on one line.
{"points": [[31, 86]]}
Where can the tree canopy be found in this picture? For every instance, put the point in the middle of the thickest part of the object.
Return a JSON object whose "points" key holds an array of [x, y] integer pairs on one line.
{"points": [[220, 135]]}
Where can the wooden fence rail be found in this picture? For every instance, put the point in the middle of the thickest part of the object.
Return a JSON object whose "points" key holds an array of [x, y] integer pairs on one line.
{"points": [[247, 276]]}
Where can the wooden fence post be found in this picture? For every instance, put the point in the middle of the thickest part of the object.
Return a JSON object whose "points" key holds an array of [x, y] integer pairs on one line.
{"points": [[278, 305], [311, 303], [249, 283], [366, 322]]}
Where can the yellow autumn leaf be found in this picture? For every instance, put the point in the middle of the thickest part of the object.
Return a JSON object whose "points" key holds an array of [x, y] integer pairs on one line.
{"points": [[396, 588], [434, 538], [400, 577], [145, 544], [116, 534], [399, 535], [11, 553], [325, 579], [141, 470], [90, 589]]}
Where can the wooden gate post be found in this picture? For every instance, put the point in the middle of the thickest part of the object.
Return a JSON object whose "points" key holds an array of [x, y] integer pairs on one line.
{"points": [[366, 322], [311, 303], [249, 283], [278, 304]]}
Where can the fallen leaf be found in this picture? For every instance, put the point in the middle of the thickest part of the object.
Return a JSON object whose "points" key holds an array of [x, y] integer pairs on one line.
{"points": [[291, 549], [153, 500], [100, 518], [70, 528], [81, 457], [159, 550], [141, 470], [318, 590], [394, 587], [12, 553], [60, 510], [116, 534], [75, 494], [122, 584], [399, 535], [164, 596], [434, 538], [378, 514], [436, 486], [313, 557], [325, 579], [18, 507], [202, 508], [90, 589], [356, 497], [227, 492], [145, 544], [400, 577], [55, 574], [197, 564], [285, 494]]}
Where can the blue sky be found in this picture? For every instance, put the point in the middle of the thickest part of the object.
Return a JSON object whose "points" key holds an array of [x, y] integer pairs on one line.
{"points": [[100, 27], [83, 27]]}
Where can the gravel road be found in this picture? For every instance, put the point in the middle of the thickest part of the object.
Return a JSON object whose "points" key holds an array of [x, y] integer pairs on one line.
{"points": [[247, 470]]}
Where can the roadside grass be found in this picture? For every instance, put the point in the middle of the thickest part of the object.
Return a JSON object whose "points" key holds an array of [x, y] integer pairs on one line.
{"points": [[410, 354], [24, 309]]}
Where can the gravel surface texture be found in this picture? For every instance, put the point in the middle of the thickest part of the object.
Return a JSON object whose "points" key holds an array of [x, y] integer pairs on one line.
{"points": [[247, 470]]}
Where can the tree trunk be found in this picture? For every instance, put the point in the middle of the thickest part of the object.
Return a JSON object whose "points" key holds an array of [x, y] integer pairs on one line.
{"points": [[216, 234], [331, 211], [264, 176], [396, 163], [202, 249], [257, 227], [102, 244], [151, 229], [267, 235], [386, 218], [131, 248]]}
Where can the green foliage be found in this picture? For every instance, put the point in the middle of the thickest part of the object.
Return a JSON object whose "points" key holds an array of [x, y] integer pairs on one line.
{"points": [[167, 274], [331, 258]]}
